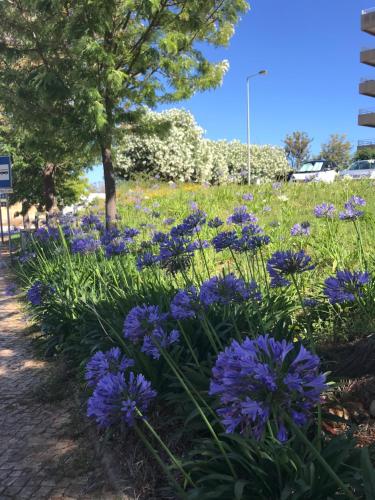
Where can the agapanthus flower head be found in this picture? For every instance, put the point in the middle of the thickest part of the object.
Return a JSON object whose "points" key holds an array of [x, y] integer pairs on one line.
{"points": [[176, 253], [26, 257], [224, 240], [357, 200], [168, 221], [85, 244], [117, 397], [215, 223], [11, 289], [141, 321], [301, 229], [350, 213], [325, 211], [252, 239], [45, 234], [118, 246], [159, 339], [259, 381], [194, 221], [159, 237], [287, 263], [130, 232], [248, 197], [224, 290], [185, 304], [266, 208], [241, 216], [109, 234], [310, 302], [346, 286], [103, 363], [193, 205], [146, 259], [38, 292], [91, 221]]}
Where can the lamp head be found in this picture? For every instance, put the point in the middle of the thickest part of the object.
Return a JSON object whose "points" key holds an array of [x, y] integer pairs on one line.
{"points": [[263, 72]]}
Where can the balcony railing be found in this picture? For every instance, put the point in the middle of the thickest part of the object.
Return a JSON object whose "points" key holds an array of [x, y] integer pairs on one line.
{"points": [[366, 111], [368, 11], [370, 142]]}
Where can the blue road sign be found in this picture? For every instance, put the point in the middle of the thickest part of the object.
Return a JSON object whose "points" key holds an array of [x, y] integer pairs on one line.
{"points": [[5, 173]]}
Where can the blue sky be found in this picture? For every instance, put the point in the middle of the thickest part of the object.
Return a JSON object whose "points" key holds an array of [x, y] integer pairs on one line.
{"points": [[311, 50]]}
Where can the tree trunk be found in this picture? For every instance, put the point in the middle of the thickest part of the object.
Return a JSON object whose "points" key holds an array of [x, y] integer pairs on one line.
{"points": [[110, 186], [25, 214], [50, 188]]}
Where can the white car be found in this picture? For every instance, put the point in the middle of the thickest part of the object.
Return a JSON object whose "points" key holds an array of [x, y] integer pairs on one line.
{"points": [[360, 169], [315, 170]]}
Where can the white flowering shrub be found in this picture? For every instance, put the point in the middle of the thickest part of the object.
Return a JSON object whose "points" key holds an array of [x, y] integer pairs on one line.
{"points": [[177, 151]]}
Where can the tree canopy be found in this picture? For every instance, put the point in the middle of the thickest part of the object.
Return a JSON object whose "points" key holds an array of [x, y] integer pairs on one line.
{"points": [[297, 148], [99, 61]]}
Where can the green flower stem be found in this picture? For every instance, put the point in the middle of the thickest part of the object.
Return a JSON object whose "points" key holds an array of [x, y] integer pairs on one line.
{"points": [[319, 458], [160, 461]]}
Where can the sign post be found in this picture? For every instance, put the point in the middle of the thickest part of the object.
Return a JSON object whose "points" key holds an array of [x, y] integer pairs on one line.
{"points": [[5, 190]]}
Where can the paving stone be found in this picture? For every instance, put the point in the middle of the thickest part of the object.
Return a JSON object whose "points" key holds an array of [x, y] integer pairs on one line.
{"points": [[34, 445]]}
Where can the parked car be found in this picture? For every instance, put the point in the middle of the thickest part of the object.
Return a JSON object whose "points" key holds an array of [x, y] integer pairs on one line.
{"points": [[316, 170], [360, 169]]}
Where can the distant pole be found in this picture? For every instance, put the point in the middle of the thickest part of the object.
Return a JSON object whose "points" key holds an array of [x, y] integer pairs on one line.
{"points": [[9, 236], [248, 131], [261, 72], [1, 222]]}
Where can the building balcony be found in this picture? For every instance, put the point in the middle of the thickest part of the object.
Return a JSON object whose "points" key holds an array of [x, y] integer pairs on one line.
{"points": [[366, 117], [368, 21], [368, 56], [369, 144], [367, 87]]}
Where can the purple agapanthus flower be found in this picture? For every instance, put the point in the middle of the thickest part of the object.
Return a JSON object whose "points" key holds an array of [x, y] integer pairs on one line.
{"points": [[287, 263], [130, 232], [301, 229], [241, 216], [103, 363], [325, 210], [109, 234], [11, 289], [252, 239], [346, 286], [310, 302], [85, 244], [118, 246], [224, 290], [141, 321], [91, 221], [44, 234], [357, 200], [215, 223], [117, 398], [38, 292], [146, 259], [176, 253], [159, 237], [224, 240], [185, 304], [350, 213], [159, 339], [26, 257], [258, 381], [248, 197], [168, 221]]}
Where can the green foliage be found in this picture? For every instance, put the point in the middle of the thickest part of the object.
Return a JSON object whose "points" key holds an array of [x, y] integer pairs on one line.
{"points": [[92, 63], [364, 154], [170, 146], [93, 294], [337, 149], [297, 148]]}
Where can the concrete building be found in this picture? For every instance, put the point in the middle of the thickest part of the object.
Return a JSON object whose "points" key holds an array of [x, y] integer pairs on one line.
{"points": [[366, 117]]}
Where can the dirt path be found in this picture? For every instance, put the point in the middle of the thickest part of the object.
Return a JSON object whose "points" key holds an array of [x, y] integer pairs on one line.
{"points": [[42, 455]]}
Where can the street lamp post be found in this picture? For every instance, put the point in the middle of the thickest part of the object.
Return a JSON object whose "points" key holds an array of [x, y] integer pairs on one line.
{"points": [[262, 72]]}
